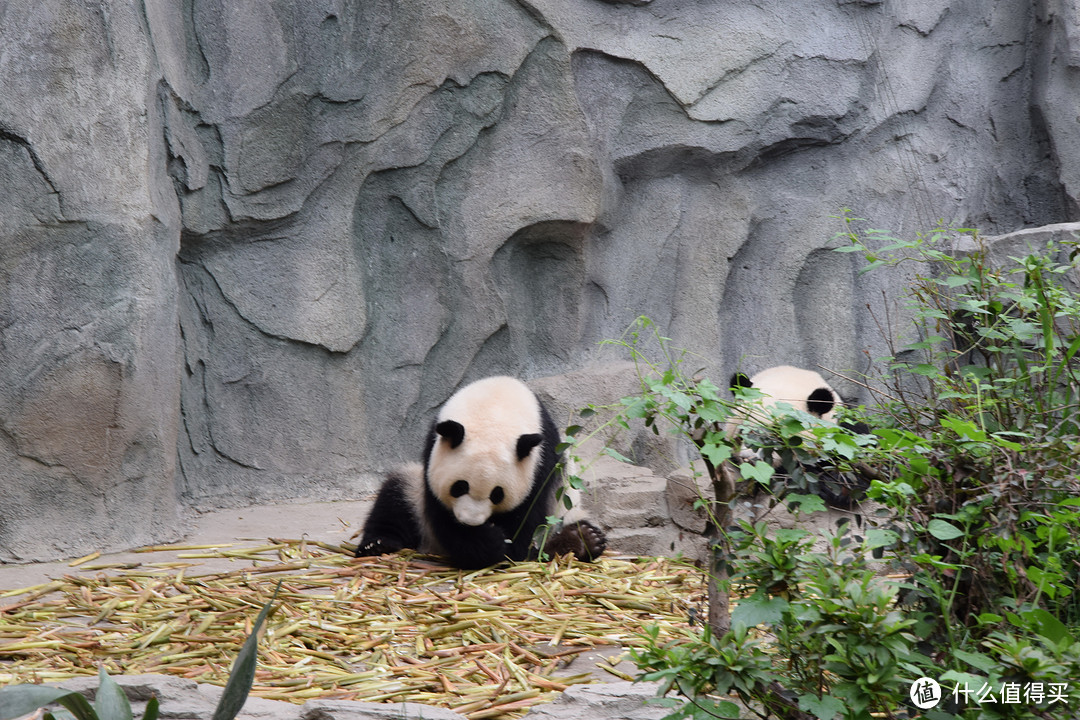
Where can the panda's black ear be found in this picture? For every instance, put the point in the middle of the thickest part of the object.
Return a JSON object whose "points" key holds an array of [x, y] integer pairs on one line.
{"points": [[740, 380], [452, 431], [859, 428], [821, 401], [526, 443]]}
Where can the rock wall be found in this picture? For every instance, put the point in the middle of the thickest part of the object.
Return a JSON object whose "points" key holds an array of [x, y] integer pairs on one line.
{"points": [[186, 700], [247, 247], [90, 357]]}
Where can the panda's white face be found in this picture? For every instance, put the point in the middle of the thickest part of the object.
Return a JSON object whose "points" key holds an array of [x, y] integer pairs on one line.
{"points": [[486, 450], [475, 487]]}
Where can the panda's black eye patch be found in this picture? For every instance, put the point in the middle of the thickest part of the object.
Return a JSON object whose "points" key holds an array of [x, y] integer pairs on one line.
{"points": [[497, 495], [820, 401], [459, 488]]}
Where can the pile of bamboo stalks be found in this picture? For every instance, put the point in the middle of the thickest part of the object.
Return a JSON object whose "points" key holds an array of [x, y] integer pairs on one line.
{"points": [[487, 643]]}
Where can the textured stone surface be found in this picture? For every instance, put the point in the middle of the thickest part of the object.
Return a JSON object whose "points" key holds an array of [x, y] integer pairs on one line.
{"points": [[684, 489], [617, 701], [89, 230], [181, 699], [247, 248], [634, 507]]}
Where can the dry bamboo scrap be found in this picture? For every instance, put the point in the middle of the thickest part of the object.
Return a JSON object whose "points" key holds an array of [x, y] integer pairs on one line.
{"points": [[487, 644]]}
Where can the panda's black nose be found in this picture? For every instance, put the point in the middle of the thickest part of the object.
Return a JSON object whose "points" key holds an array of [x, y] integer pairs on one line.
{"points": [[497, 495], [459, 488]]}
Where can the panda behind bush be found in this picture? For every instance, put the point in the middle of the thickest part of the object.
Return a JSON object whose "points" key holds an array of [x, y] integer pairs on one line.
{"points": [[807, 391], [487, 484]]}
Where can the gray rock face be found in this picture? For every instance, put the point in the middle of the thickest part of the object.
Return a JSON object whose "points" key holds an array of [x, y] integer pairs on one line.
{"points": [[617, 701], [181, 699], [247, 248], [89, 229]]}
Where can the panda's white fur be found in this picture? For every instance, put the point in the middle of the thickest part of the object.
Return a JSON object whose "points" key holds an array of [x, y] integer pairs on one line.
{"points": [[487, 484], [495, 412], [793, 386], [803, 390]]}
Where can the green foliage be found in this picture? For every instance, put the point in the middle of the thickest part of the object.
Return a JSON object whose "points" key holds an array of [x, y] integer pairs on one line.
{"points": [[979, 448], [701, 667], [110, 703], [976, 459], [817, 631], [986, 337], [811, 633], [676, 403], [981, 430]]}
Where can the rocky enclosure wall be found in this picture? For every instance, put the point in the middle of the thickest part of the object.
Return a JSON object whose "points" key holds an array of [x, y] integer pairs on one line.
{"points": [[248, 246]]}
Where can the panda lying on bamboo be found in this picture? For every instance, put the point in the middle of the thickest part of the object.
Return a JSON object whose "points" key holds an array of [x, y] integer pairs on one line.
{"points": [[487, 485]]}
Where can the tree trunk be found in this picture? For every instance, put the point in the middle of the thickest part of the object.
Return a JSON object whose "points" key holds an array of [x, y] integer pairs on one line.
{"points": [[723, 482]]}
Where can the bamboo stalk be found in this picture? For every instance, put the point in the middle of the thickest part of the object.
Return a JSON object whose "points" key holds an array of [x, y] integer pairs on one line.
{"points": [[488, 643]]}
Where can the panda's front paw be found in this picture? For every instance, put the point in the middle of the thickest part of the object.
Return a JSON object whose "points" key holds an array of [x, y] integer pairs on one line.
{"points": [[586, 541], [377, 546]]}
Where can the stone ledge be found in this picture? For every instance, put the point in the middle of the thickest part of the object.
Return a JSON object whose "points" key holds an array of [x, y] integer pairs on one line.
{"points": [[181, 699]]}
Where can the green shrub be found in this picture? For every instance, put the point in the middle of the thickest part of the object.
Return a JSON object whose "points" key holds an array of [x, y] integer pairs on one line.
{"points": [[816, 633], [976, 461], [983, 451]]}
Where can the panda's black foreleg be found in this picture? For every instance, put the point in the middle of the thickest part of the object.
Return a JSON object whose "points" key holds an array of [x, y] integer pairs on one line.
{"points": [[469, 547], [472, 548], [393, 523], [841, 490]]}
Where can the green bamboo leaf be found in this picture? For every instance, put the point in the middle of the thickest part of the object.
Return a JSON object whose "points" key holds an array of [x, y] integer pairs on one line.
{"points": [[757, 609], [715, 451], [151, 709], [79, 706], [760, 471], [242, 674], [943, 530], [110, 703], [876, 538], [1044, 623], [724, 709], [824, 708], [617, 456], [19, 700], [977, 660], [1071, 351]]}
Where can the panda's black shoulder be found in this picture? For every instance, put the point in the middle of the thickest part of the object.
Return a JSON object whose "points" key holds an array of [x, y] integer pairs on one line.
{"points": [[429, 441]]}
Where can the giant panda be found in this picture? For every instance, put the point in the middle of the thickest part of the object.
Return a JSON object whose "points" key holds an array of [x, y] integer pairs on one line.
{"points": [[803, 390], [487, 484], [807, 391]]}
